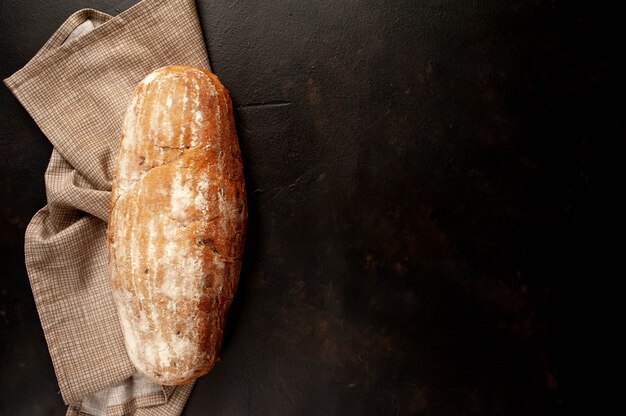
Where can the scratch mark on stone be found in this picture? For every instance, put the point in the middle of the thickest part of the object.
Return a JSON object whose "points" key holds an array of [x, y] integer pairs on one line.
{"points": [[288, 188], [263, 104]]}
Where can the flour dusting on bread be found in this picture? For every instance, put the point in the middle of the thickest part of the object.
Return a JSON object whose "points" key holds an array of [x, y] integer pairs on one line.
{"points": [[177, 224]]}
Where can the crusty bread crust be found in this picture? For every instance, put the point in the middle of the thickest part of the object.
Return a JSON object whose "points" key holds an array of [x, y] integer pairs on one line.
{"points": [[177, 223]]}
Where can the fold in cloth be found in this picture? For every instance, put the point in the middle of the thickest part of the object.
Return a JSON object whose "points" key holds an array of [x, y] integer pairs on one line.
{"points": [[76, 88]]}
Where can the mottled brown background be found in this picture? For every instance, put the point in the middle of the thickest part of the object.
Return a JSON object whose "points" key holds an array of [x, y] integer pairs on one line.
{"points": [[424, 219]]}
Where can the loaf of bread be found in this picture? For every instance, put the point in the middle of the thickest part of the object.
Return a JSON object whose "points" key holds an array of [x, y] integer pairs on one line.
{"points": [[177, 223]]}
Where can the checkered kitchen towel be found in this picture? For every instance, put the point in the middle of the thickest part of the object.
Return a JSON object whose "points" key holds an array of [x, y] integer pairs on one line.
{"points": [[77, 88]]}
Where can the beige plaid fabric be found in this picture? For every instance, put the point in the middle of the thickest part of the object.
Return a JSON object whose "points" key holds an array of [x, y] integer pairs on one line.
{"points": [[77, 88]]}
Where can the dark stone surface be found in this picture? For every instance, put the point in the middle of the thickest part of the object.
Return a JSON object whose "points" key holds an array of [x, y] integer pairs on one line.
{"points": [[422, 184]]}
